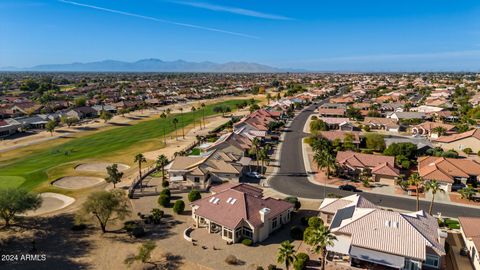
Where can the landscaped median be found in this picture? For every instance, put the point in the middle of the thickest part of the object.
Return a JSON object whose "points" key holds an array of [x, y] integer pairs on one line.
{"points": [[113, 144]]}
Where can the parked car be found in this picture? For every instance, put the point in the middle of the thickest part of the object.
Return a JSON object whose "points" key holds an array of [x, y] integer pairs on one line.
{"points": [[348, 188], [254, 175], [458, 186]]}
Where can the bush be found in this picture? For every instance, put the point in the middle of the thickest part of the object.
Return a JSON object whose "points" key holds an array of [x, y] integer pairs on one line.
{"points": [[165, 184], [478, 154], [194, 195], [247, 242], [259, 268], [166, 191], [300, 261], [272, 267], [468, 151], [294, 201], [156, 215], [164, 200], [129, 226], [232, 260], [296, 233], [178, 207]]}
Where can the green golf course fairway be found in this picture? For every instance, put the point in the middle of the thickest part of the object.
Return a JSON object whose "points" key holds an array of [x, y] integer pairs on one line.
{"points": [[30, 171]]}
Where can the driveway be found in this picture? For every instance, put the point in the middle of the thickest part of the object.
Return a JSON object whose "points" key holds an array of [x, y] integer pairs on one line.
{"points": [[291, 177]]}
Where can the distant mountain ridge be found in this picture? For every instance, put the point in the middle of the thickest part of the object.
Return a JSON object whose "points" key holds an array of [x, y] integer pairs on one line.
{"points": [[154, 65]]}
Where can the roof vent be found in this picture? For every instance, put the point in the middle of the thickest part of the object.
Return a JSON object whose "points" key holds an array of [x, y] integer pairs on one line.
{"points": [[229, 199], [233, 201], [212, 199], [216, 201]]}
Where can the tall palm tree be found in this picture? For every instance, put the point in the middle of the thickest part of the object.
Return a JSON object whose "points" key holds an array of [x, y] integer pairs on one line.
{"points": [[434, 187], [175, 122], [269, 97], [255, 148], [164, 116], [140, 158], [203, 113], [169, 111], [262, 155], [162, 161], [440, 130], [319, 239], [193, 109], [181, 120], [416, 180], [286, 254]]}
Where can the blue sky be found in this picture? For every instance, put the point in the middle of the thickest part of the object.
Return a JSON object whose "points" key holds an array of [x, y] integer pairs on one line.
{"points": [[321, 35]]}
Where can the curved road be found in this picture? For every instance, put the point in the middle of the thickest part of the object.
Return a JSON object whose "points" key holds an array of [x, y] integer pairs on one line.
{"points": [[291, 177]]}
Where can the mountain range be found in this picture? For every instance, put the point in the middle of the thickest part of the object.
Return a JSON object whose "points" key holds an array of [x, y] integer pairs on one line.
{"points": [[154, 65]]}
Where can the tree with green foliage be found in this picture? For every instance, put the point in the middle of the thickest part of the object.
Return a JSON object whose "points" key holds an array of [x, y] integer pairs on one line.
{"points": [[348, 142], [434, 187], [440, 131], [318, 125], [375, 141], [319, 238], [175, 122], [178, 206], [80, 102], [140, 158], [467, 192], [254, 107], [416, 180], [161, 162], [114, 175], [144, 254], [50, 126], [105, 116], [15, 201], [286, 254], [69, 121], [194, 195], [105, 205]]}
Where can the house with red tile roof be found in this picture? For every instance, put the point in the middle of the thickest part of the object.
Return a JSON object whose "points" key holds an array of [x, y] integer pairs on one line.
{"points": [[238, 211], [458, 142], [470, 229], [429, 129], [330, 112], [369, 237], [338, 135], [449, 171], [381, 167]]}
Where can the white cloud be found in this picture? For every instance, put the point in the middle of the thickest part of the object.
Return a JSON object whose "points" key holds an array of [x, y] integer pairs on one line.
{"points": [[234, 10], [159, 20]]}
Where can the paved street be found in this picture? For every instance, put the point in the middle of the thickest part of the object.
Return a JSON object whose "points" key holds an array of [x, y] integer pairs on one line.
{"points": [[291, 177]]}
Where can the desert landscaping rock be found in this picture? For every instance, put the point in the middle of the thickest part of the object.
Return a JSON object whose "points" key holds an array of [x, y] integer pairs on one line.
{"points": [[51, 202], [99, 167], [77, 182]]}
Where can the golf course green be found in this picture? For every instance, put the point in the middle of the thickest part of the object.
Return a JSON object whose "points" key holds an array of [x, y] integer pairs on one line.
{"points": [[30, 171]]}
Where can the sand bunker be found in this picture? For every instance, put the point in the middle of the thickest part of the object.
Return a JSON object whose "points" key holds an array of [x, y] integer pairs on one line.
{"points": [[51, 202], [77, 182], [99, 167]]}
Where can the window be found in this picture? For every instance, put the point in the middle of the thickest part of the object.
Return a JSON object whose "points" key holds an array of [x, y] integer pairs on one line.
{"points": [[227, 233], [274, 223], [329, 218], [247, 232], [196, 179], [432, 261]]}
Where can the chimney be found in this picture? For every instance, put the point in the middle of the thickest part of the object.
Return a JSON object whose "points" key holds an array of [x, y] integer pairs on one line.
{"points": [[263, 214]]}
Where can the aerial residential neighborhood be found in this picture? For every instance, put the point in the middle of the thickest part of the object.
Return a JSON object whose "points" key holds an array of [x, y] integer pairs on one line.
{"points": [[239, 135]]}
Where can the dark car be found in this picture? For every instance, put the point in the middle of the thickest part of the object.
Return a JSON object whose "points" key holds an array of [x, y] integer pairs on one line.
{"points": [[348, 188], [458, 186]]}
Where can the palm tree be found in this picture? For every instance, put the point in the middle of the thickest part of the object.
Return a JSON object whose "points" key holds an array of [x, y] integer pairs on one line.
{"points": [[255, 148], [262, 155], [286, 254], [175, 122], [162, 161], [181, 120], [439, 130], [433, 186], [169, 111], [320, 238], [193, 109], [269, 97], [140, 159], [203, 113], [164, 116], [416, 180], [467, 192]]}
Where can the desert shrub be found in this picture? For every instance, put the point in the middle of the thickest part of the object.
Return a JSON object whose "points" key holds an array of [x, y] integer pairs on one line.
{"points": [[156, 215], [247, 242], [166, 191], [165, 184], [164, 200], [296, 233], [178, 207], [272, 267], [468, 150], [301, 260], [232, 260], [259, 268], [129, 225], [194, 195]]}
